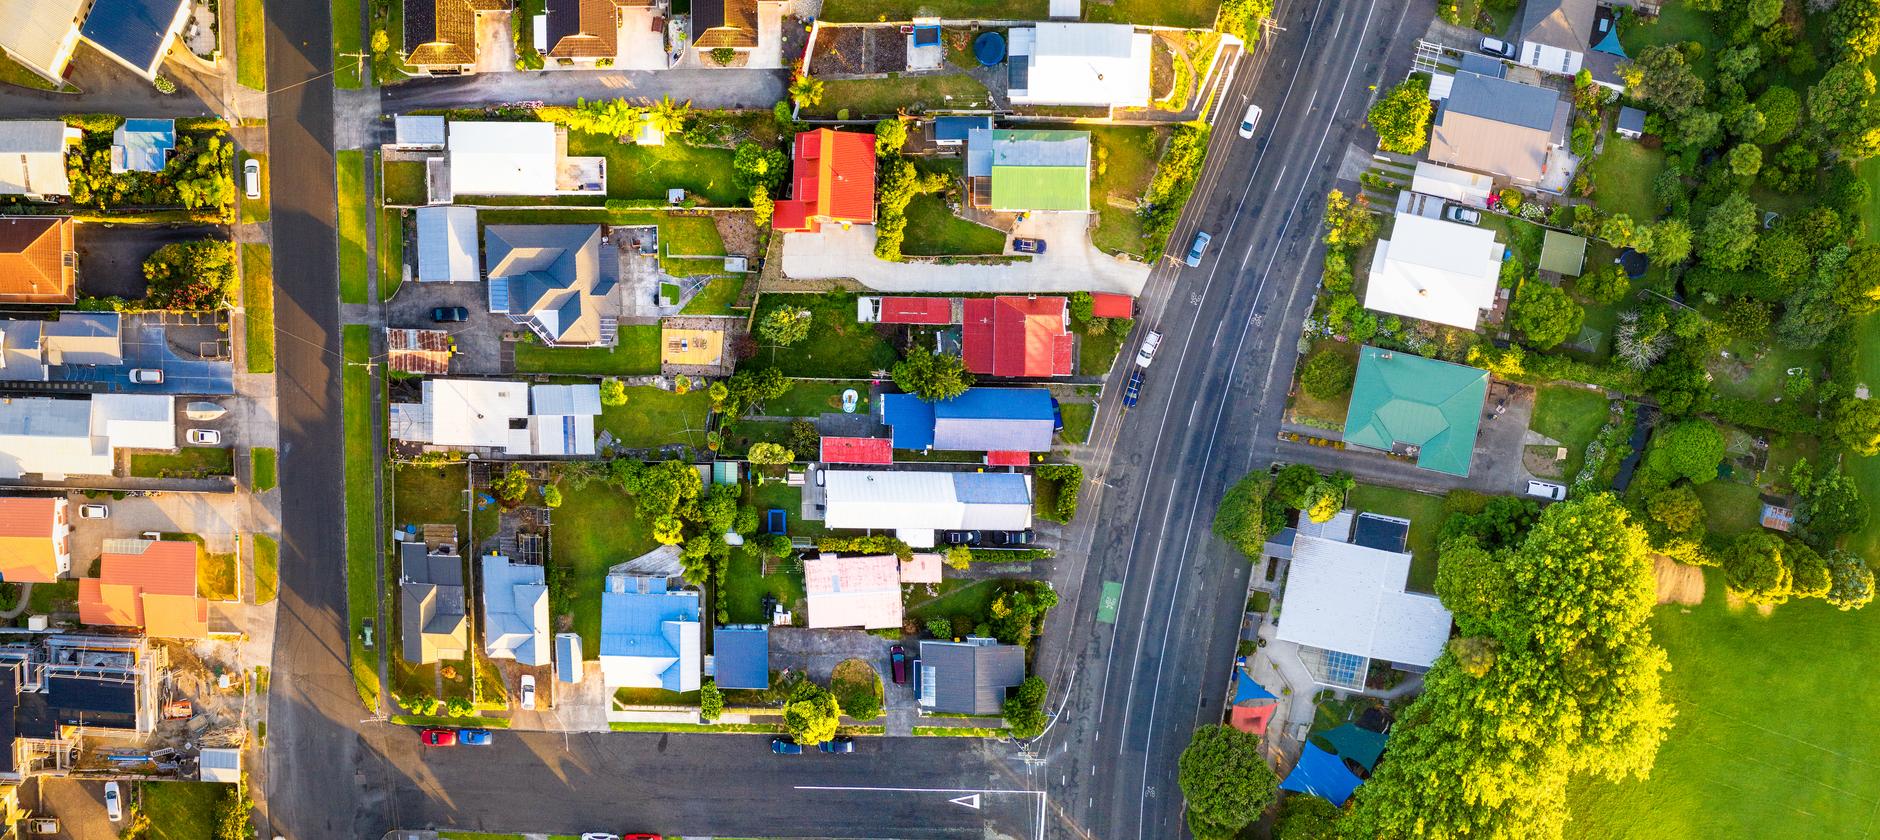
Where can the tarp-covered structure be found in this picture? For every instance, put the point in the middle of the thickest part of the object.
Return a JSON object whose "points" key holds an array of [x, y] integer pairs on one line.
{"points": [[1323, 775]]}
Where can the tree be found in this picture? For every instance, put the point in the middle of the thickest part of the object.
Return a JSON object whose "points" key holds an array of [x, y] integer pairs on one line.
{"points": [[1604, 284], [1840, 104], [890, 137], [718, 392], [1502, 523], [765, 452], [1828, 502], [1225, 780], [1855, 27], [1729, 234], [804, 437], [934, 377], [1323, 502], [1754, 569], [668, 529], [510, 486], [711, 701], [1401, 117], [668, 117], [1245, 518], [1671, 241], [1688, 449], [763, 208], [959, 557], [1472, 582], [191, 276], [785, 326], [1327, 375], [1857, 289], [812, 714], [755, 166], [1545, 315], [1851, 586], [1303, 816], [1678, 509], [551, 496], [1745, 160], [1781, 108], [1857, 424], [1348, 222], [1024, 711], [806, 92], [613, 392], [1662, 79], [1018, 611]]}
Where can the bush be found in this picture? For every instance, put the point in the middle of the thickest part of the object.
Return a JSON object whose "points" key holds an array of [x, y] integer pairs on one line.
{"points": [[613, 392], [1024, 712], [1174, 181], [191, 276], [102, 123], [711, 701], [1327, 375], [1070, 481], [857, 689], [1401, 117], [1247, 516]]}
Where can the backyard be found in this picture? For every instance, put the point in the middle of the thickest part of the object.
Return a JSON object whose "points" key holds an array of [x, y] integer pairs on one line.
{"points": [[1622, 178], [646, 172], [431, 495], [897, 94], [654, 417], [745, 585], [841, 347], [637, 353], [1572, 416], [595, 527], [933, 231], [954, 598], [1730, 507], [1123, 160], [778, 495], [809, 398], [1426, 518]]}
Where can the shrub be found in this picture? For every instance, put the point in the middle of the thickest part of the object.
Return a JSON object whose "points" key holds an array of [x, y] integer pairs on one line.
{"points": [[1327, 375], [1070, 481], [1024, 712], [711, 701], [192, 276], [1401, 117], [857, 689], [613, 392]]}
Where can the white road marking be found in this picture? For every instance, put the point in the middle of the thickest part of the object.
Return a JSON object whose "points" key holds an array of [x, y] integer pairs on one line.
{"points": [[970, 800]]}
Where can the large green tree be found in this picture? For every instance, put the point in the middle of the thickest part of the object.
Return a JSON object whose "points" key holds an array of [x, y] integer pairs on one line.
{"points": [[1728, 237], [1225, 780], [932, 376], [1247, 516], [1545, 315], [1024, 710], [811, 714], [193, 276], [1661, 78], [1687, 449], [1401, 117]]}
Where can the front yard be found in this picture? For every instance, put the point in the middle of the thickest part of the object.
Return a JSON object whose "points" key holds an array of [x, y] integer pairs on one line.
{"points": [[1123, 160], [1329, 414], [867, 98], [187, 462], [637, 353], [183, 810], [934, 231], [1572, 416], [839, 346], [404, 183]]}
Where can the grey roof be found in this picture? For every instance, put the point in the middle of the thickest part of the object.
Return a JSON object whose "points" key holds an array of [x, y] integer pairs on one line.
{"points": [[431, 606], [1631, 119], [447, 244], [1478, 63], [84, 338], [32, 136], [991, 489], [1503, 101], [1566, 24], [555, 275], [992, 434], [419, 130], [970, 677], [565, 399]]}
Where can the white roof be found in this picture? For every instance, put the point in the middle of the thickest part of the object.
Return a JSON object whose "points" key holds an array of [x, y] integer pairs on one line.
{"points": [[853, 591], [515, 611], [910, 501], [57, 438], [474, 412], [566, 399], [135, 421], [418, 130], [1434, 270], [1459, 185], [220, 764], [447, 245], [1085, 64], [557, 434], [32, 157], [502, 158], [1349, 598], [40, 33]]}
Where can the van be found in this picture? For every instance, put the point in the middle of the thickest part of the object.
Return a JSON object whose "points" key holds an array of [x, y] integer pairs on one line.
{"points": [[1547, 490]]}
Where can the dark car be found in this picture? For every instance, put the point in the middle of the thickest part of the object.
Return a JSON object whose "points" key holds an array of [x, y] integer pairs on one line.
{"points": [[438, 737], [785, 746], [1134, 389], [1011, 539], [1057, 416], [1028, 246], [450, 314], [841, 744], [897, 664], [960, 537]]}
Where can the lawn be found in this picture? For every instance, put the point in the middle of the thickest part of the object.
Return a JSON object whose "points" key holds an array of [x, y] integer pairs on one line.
{"points": [[267, 568], [258, 306], [216, 577], [362, 584], [781, 496], [956, 598], [839, 346], [852, 11], [654, 417], [1124, 159], [1730, 508], [809, 398], [1182, 14], [595, 528], [1324, 414], [933, 231], [646, 172], [1622, 178], [404, 183], [885, 97], [1572, 416], [637, 353], [691, 236], [251, 44], [263, 475], [347, 26], [255, 209], [745, 585], [352, 220], [183, 810], [1426, 517], [391, 251], [1078, 418], [1765, 704], [187, 462], [716, 298], [430, 496], [1096, 354], [57, 597], [1768, 369]]}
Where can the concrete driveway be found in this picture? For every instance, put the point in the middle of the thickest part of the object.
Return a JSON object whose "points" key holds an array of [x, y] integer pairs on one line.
{"points": [[642, 45], [496, 49], [559, 706], [1069, 264], [212, 516], [479, 340], [111, 256]]}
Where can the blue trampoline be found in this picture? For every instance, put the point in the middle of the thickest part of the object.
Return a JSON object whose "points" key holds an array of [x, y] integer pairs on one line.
{"points": [[989, 48], [776, 521], [1321, 774]]}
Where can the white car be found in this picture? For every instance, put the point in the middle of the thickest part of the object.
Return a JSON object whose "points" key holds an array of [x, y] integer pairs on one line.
{"points": [[1496, 47], [113, 802], [1250, 122], [203, 437], [1146, 353], [94, 512], [1463, 215], [251, 178], [1547, 490], [147, 376], [204, 411], [528, 692]]}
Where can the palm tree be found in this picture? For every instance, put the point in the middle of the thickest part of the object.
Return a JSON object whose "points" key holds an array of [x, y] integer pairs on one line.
{"points": [[668, 116], [806, 92]]}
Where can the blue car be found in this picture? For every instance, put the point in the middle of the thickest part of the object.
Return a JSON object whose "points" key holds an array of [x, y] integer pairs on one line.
{"points": [[785, 746], [1202, 238], [1134, 389], [1057, 416], [840, 745], [473, 737]]}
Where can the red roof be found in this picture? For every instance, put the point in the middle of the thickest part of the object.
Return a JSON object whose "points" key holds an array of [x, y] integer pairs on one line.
{"points": [[1017, 336], [154, 589], [1108, 305], [853, 450], [916, 310], [833, 181], [1007, 458]]}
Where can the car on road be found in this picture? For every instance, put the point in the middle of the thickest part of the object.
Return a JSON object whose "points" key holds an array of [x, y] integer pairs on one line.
{"points": [[1496, 47], [528, 692], [438, 737], [113, 801], [785, 746], [1202, 238], [203, 437], [204, 411], [1146, 353], [146, 376], [94, 512], [897, 664], [1250, 122], [1133, 390], [840, 745], [1028, 245], [641, 837], [1009, 539], [473, 737], [599, 835], [251, 178], [1547, 490], [966, 538], [1462, 215], [450, 314]]}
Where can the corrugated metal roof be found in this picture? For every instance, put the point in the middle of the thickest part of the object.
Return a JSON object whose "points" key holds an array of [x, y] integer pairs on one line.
{"points": [[741, 656], [1401, 398], [1349, 598], [447, 245], [1503, 101], [854, 450], [134, 31]]}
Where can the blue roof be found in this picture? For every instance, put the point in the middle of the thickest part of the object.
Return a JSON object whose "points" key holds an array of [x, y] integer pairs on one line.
{"points": [[143, 145], [998, 404], [132, 30], [910, 418], [991, 488], [982, 419], [638, 625], [742, 655], [1247, 691], [568, 657], [1323, 775], [954, 128]]}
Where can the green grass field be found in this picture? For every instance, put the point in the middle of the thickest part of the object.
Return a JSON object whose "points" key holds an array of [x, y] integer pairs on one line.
{"points": [[886, 97], [1426, 518], [362, 584], [352, 223], [255, 209], [638, 353], [391, 235], [594, 529], [258, 306], [646, 172], [183, 810], [852, 11], [745, 586], [1622, 178], [1572, 416], [716, 298], [1182, 14], [404, 183], [347, 28], [187, 462], [264, 468], [933, 231], [809, 398], [1730, 508], [838, 346], [1123, 162], [653, 417], [267, 568], [1078, 418], [251, 44]]}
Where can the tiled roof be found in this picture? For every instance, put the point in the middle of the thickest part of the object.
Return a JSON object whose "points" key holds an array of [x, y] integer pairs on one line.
{"points": [[27, 551], [443, 32], [1017, 336], [582, 28], [724, 23], [1007, 458], [149, 584], [833, 181], [854, 450], [916, 310]]}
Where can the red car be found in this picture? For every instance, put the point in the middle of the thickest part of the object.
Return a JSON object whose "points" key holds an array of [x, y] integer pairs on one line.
{"points": [[640, 837], [897, 662], [438, 737]]}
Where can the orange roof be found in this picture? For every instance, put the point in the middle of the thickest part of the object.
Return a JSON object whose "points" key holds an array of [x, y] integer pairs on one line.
{"points": [[917, 310], [833, 181], [1007, 458], [1112, 305], [28, 553], [148, 584]]}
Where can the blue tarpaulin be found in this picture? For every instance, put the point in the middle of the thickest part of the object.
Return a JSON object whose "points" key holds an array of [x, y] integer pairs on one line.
{"points": [[1321, 774], [1247, 691], [1358, 744], [1610, 44]]}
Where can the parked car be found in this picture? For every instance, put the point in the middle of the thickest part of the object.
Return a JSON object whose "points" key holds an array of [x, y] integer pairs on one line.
{"points": [[1496, 47], [1146, 353], [94, 512], [600, 835], [203, 437], [641, 837], [785, 746], [1202, 238], [113, 801], [473, 737], [1027, 245], [437, 737], [528, 692], [204, 411], [897, 664], [450, 314], [1010, 539], [251, 178], [967, 538], [1462, 215], [840, 745], [146, 376], [1250, 122], [1547, 490], [1057, 416], [43, 825], [1134, 389], [365, 630]]}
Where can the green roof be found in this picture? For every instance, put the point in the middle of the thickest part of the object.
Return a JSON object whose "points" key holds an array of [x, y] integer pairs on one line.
{"points": [[1040, 188], [1402, 398], [1563, 253]]}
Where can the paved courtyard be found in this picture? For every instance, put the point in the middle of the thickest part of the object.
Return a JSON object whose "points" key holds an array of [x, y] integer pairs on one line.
{"points": [[212, 516], [1069, 264]]}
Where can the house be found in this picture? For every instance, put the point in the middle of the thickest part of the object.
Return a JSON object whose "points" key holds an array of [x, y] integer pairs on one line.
{"points": [[650, 632], [35, 539], [556, 280], [1409, 405], [507, 417], [1022, 170], [424, 352], [32, 157], [135, 33], [1563, 37], [1510, 130], [54, 438], [856, 450], [969, 677], [441, 35], [142, 145], [1631, 122], [42, 34], [952, 131], [914, 504], [63, 692], [930, 311], [1435, 270], [146, 584], [1471, 189], [519, 158], [447, 245], [724, 24], [1347, 603], [38, 259], [1014, 336], [860, 592], [561, 419], [515, 611], [741, 656], [432, 619], [29, 350], [978, 420], [1093, 64], [222, 765], [583, 31], [833, 180]]}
